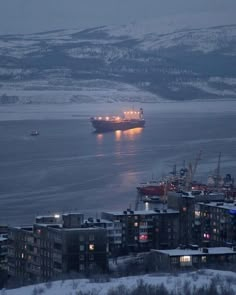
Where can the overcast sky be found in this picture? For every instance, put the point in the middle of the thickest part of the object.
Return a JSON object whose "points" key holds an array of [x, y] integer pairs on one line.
{"points": [[25, 16]]}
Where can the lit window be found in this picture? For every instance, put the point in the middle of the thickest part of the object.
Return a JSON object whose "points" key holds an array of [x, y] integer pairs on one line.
{"points": [[143, 237], [197, 213], [206, 236], [91, 247], [136, 224], [186, 260]]}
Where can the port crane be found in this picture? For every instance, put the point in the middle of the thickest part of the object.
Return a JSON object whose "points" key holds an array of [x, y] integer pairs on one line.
{"points": [[192, 170]]}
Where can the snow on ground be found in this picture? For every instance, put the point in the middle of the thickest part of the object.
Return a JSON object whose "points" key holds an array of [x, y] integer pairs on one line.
{"points": [[190, 38], [228, 81], [198, 279], [58, 91], [175, 23], [204, 86]]}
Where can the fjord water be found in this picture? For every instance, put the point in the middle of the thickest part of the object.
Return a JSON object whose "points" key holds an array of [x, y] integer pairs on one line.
{"points": [[68, 167]]}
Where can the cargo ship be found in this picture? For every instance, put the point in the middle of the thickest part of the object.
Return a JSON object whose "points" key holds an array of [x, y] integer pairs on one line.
{"points": [[130, 119], [155, 188]]}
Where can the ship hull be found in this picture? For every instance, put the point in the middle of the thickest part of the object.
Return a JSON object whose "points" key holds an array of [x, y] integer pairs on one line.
{"points": [[150, 190], [105, 126]]}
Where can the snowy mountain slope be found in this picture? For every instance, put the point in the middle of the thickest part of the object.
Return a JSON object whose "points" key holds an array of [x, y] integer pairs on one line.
{"points": [[186, 58]]}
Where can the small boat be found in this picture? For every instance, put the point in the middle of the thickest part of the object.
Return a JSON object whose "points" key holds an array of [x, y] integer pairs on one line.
{"points": [[34, 133]]}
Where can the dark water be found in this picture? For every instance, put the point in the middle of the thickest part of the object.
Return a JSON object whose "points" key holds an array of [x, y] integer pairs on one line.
{"points": [[68, 167]]}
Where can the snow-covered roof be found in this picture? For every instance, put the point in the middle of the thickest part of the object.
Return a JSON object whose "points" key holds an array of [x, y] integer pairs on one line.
{"points": [[2, 238], [189, 252], [95, 221], [222, 205], [142, 212], [80, 228], [24, 227]]}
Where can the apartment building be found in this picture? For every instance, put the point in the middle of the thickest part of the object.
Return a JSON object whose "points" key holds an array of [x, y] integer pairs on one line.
{"points": [[52, 248], [185, 204], [3, 251], [143, 230], [114, 233], [166, 229], [218, 223]]}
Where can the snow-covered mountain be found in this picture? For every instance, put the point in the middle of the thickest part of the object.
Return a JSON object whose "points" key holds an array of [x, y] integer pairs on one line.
{"points": [[181, 58]]}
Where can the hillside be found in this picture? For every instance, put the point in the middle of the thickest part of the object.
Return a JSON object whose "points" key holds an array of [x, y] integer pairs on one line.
{"points": [[223, 281], [183, 58]]}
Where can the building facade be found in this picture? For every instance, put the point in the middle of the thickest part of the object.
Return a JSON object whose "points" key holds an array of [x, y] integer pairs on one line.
{"points": [[185, 204], [218, 223], [168, 260], [53, 249], [144, 230]]}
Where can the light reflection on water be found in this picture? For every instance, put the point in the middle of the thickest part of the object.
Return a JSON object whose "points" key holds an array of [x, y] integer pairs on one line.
{"points": [[99, 138], [131, 134], [118, 134]]}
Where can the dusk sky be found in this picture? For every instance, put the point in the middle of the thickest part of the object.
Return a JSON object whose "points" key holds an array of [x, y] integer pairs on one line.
{"points": [[26, 16]]}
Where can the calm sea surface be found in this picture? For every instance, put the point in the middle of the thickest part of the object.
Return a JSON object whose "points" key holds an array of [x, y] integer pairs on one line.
{"points": [[68, 167]]}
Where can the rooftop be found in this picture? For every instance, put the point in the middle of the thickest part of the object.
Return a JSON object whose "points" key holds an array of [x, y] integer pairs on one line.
{"points": [[222, 205], [189, 252], [142, 212], [95, 220]]}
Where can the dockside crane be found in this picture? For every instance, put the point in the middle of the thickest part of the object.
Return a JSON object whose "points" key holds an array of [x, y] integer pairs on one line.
{"points": [[192, 170]]}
